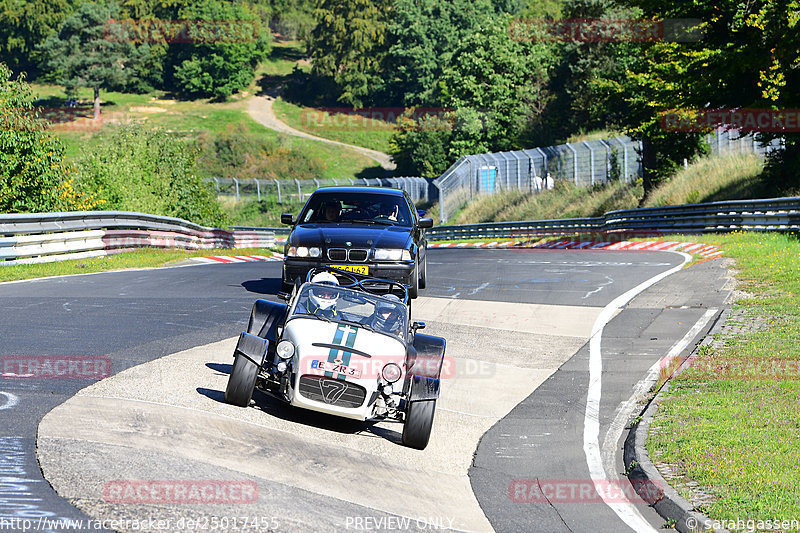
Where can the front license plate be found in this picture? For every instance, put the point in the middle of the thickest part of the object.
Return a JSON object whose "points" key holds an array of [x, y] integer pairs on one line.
{"points": [[326, 366], [358, 269]]}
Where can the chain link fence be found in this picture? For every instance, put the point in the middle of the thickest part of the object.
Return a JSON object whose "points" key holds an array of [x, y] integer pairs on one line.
{"points": [[582, 163], [419, 189]]}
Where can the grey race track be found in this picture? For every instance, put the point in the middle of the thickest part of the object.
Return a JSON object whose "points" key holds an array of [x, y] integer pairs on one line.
{"points": [[138, 316]]}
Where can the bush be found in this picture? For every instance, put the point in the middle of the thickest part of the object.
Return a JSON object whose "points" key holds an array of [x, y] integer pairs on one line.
{"points": [[149, 171], [33, 175]]}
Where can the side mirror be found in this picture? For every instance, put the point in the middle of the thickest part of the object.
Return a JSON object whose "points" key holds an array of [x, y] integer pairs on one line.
{"points": [[426, 223], [285, 296], [287, 218], [418, 325]]}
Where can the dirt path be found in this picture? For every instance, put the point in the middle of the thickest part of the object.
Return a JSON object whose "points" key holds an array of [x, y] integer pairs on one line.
{"points": [[260, 108]]}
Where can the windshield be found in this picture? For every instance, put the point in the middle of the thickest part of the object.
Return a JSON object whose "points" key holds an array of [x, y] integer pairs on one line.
{"points": [[377, 313], [367, 208]]}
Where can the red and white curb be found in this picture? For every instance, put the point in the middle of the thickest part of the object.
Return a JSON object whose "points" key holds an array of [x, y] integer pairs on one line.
{"points": [[238, 258], [707, 251]]}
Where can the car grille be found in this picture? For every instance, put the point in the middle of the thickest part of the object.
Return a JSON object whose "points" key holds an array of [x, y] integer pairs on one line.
{"points": [[337, 254], [356, 255], [332, 391]]}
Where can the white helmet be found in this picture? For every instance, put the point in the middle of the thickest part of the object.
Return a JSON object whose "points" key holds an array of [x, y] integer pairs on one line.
{"points": [[324, 297]]}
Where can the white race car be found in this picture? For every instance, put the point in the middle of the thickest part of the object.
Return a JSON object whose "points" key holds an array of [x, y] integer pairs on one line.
{"points": [[344, 345]]}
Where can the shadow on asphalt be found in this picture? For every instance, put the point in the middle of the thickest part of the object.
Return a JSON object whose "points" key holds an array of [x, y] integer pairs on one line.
{"points": [[263, 285]]}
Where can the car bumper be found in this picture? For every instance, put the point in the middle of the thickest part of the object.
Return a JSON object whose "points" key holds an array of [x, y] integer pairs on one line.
{"points": [[401, 271]]}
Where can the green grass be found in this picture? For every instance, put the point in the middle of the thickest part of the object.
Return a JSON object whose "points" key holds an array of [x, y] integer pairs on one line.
{"points": [[347, 128], [142, 258], [731, 421], [712, 179]]}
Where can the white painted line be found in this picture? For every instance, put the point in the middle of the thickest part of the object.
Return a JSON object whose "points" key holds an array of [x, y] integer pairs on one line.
{"points": [[10, 401], [591, 424]]}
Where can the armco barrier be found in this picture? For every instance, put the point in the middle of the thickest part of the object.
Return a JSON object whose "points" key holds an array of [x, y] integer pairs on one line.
{"points": [[777, 214], [46, 237], [32, 238]]}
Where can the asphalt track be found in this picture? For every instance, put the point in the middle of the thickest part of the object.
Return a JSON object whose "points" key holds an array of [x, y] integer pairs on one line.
{"points": [[526, 313]]}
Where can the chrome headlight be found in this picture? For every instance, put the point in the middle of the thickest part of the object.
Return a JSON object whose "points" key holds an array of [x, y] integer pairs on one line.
{"points": [[302, 251], [391, 372], [390, 254], [285, 349]]}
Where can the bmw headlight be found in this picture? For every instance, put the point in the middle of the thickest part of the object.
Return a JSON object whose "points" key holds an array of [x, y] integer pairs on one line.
{"points": [[285, 349], [302, 251], [389, 254], [391, 372]]}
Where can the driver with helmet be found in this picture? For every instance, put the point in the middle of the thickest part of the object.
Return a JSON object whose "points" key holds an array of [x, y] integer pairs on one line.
{"points": [[387, 316], [322, 299]]}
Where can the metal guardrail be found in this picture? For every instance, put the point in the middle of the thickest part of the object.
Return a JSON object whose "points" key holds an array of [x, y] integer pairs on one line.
{"points": [[46, 237], [777, 214], [33, 238]]}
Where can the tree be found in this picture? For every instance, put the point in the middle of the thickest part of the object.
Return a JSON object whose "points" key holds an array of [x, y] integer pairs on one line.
{"points": [[495, 76], [33, 176], [747, 57], [82, 54], [347, 45], [24, 24], [226, 43], [421, 38]]}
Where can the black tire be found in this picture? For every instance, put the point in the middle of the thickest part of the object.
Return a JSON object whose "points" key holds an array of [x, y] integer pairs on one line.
{"points": [[423, 279], [413, 290], [241, 382], [418, 424]]}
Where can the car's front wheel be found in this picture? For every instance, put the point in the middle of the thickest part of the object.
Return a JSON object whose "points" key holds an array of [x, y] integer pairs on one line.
{"points": [[413, 290], [418, 424], [241, 382]]}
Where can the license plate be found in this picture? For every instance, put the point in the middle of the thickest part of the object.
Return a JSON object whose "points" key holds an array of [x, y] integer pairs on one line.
{"points": [[337, 368], [358, 269]]}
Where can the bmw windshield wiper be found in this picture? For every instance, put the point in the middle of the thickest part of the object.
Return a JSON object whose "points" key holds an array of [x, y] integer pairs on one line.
{"points": [[373, 221]]}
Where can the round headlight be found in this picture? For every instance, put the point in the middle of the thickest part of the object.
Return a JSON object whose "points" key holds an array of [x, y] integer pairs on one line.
{"points": [[302, 251], [285, 349], [314, 252], [391, 372]]}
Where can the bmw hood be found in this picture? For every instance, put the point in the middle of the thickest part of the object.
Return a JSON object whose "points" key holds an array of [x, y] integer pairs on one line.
{"points": [[367, 236]]}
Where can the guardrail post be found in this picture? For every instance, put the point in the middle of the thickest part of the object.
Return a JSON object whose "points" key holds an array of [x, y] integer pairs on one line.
{"points": [[236, 182], [299, 191], [336, 183], [608, 159], [216, 184], [258, 189], [544, 159], [316, 182]]}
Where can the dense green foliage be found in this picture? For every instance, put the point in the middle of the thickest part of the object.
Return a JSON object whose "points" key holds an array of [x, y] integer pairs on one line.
{"points": [[33, 176], [238, 153], [149, 171]]}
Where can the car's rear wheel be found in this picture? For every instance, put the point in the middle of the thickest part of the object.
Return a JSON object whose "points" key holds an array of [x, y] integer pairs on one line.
{"points": [[241, 382], [418, 424]]}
